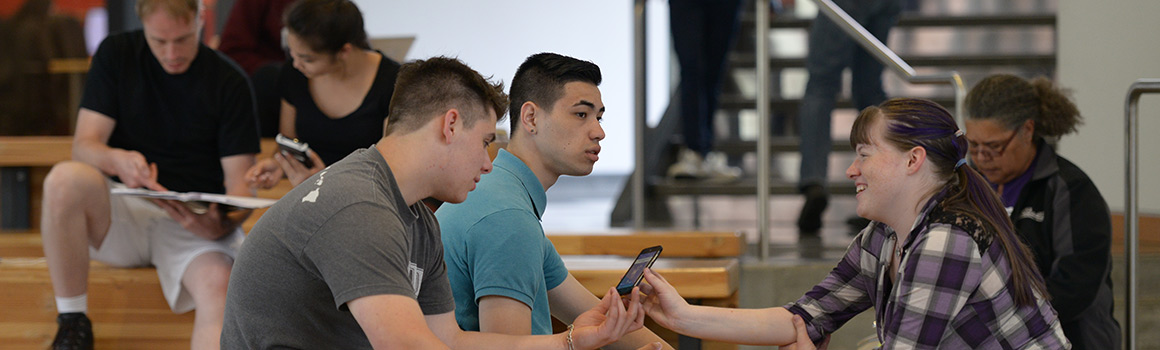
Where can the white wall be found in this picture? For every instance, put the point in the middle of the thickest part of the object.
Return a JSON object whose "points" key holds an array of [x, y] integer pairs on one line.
{"points": [[1103, 47], [494, 37]]}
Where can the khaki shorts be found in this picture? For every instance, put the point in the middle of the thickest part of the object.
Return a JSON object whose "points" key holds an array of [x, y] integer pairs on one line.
{"points": [[142, 234]]}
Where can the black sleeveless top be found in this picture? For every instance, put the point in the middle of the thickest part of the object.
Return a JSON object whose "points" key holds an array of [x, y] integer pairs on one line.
{"points": [[334, 139]]}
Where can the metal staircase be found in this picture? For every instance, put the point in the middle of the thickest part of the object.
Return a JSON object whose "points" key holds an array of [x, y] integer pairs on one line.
{"points": [[976, 38]]}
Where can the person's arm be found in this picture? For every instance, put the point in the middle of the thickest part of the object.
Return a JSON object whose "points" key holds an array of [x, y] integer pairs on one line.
{"points": [[396, 322], [508, 260], [234, 167], [268, 171], [803, 341], [769, 326], [1082, 232], [825, 308], [90, 147], [599, 326], [570, 299], [924, 306], [500, 314]]}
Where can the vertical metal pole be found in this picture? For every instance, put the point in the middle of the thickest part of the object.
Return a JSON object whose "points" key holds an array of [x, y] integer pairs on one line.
{"points": [[763, 120], [639, 65], [1130, 204]]}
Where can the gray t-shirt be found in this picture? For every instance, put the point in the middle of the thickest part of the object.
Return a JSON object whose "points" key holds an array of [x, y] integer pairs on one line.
{"points": [[343, 234]]}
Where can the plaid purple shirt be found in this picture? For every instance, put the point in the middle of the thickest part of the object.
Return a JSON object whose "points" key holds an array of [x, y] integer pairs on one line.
{"points": [[949, 295]]}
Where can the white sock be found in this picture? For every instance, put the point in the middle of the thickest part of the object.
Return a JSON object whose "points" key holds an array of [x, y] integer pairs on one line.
{"points": [[78, 303]]}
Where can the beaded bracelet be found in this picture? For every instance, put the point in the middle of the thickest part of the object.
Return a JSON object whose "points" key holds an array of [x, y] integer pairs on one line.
{"points": [[570, 328]]}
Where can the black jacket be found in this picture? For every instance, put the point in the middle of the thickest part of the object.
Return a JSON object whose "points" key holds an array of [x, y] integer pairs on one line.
{"points": [[1065, 221]]}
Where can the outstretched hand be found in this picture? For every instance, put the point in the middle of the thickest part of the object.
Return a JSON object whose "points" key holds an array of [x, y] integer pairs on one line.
{"points": [[608, 321], [265, 174], [662, 302]]}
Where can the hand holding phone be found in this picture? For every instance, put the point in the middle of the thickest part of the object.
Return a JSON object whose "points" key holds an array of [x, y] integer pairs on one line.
{"points": [[636, 272], [294, 149]]}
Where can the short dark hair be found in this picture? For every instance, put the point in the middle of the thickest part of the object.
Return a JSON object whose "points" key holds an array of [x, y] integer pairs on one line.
{"points": [[326, 25], [541, 79], [425, 88]]}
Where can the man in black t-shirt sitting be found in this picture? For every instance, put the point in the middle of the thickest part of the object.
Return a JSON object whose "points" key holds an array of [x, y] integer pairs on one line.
{"points": [[163, 112]]}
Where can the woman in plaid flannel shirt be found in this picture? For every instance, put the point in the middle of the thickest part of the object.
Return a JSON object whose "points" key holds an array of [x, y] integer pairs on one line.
{"points": [[940, 262]]}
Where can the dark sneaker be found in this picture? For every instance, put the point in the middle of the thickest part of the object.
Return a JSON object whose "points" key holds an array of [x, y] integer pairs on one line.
{"points": [[75, 332], [810, 219]]}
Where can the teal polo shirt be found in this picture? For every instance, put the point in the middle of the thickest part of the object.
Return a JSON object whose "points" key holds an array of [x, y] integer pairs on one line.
{"points": [[494, 245]]}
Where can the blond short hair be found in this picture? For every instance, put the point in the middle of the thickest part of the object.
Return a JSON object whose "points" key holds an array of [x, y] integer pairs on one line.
{"points": [[187, 9]]}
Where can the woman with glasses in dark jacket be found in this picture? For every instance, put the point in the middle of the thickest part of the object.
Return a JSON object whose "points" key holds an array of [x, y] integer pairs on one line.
{"points": [[1057, 210]]}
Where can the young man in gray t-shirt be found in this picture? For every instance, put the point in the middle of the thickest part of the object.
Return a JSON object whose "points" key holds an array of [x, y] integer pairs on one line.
{"points": [[351, 259]]}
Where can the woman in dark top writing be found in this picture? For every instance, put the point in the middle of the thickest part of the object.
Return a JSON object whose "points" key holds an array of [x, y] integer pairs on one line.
{"points": [[336, 94], [940, 262]]}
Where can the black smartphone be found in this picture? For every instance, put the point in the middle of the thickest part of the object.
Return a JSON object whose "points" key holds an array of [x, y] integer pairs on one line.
{"points": [[636, 272], [294, 149]]}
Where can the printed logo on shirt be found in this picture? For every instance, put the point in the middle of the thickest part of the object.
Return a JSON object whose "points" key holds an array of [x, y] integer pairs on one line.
{"points": [[1031, 214], [313, 195], [416, 277]]}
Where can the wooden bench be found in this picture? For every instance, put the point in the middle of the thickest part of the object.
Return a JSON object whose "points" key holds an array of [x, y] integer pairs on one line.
{"points": [[129, 312], [691, 244], [27, 243]]}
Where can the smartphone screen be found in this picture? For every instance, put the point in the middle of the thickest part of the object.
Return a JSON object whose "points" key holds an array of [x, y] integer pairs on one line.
{"points": [[636, 272]]}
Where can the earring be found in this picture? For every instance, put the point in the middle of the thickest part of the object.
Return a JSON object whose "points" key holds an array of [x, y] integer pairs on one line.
{"points": [[532, 131]]}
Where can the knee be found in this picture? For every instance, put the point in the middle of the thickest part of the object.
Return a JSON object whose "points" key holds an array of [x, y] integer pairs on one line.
{"points": [[208, 280], [70, 181]]}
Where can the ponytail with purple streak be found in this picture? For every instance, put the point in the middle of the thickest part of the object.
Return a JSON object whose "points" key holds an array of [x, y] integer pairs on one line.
{"points": [[921, 123]]}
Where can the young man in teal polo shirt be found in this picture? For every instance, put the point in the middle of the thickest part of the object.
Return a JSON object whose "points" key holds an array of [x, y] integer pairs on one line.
{"points": [[505, 274]]}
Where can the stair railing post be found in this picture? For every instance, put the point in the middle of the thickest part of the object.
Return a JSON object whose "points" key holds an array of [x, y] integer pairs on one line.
{"points": [[639, 64], [1131, 203], [763, 124]]}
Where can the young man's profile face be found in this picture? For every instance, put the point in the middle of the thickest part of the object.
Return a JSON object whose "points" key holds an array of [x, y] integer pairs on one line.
{"points": [[173, 41], [569, 138], [469, 158]]}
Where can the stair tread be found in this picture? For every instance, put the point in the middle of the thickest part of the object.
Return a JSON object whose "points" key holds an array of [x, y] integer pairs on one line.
{"points": [[736, 101], [776, 144], [747, 59], [743, 186], [912, 19]]}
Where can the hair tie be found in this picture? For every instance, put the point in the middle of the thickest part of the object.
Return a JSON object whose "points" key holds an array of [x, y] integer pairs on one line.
{"points": [[960, 132], [960, 163]]}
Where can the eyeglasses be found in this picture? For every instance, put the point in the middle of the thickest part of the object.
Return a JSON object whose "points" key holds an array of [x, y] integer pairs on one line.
{"points": [[992, 149]]}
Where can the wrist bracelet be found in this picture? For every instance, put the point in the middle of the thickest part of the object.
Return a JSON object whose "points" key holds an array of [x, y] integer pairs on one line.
{"points": [[569, 338]]}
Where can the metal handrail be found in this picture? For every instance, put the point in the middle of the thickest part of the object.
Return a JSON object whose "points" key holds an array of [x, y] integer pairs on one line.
{"points": [[889, 58], [868, 42], [1131, 203]]}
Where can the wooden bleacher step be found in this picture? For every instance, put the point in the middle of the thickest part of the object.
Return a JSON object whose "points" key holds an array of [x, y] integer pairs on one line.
{"points": [[125, 305], [129, 312]]}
